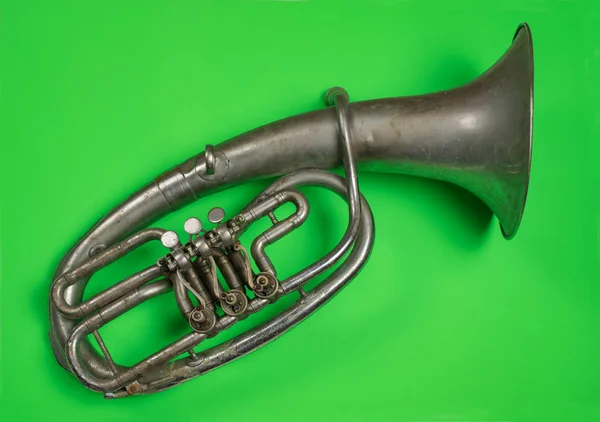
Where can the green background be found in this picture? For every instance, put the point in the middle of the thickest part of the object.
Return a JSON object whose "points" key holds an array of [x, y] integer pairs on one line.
{"points": [[447, 322]]}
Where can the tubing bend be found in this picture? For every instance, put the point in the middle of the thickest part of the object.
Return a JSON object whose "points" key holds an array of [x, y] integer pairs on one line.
{"points": [[153, 373], [308, 140], [339, 97], [102, 317], [179, 371], [342, 107], [94, 264], [103, 298], [279, 229]]}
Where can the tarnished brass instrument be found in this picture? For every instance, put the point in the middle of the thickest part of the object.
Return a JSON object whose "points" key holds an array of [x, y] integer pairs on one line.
{"points": [[477, 136]]}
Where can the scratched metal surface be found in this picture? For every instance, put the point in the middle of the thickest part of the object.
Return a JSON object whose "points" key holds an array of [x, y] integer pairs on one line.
{"points": [[448, 321]]}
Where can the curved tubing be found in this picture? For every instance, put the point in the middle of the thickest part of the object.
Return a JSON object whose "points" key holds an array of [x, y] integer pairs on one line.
{"points": [[156, 376], [253, 339], [97, 262], [259, 208], [477, 136]]}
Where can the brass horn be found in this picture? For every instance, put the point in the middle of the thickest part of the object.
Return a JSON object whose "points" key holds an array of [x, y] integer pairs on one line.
{"points": [[477, 136]]}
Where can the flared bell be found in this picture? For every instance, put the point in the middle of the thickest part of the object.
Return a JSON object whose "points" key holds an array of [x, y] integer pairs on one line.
{"points": [[477, 136], [510, 82], [499, 111]]}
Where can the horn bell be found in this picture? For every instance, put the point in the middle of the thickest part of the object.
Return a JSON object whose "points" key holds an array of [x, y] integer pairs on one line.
{"points": [[477, 136], [508, 86], [500, 112]]}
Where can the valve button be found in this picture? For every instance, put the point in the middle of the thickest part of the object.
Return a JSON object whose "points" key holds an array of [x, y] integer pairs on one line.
{"points": [[216, 215], [192, 225], [169, 239]]}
